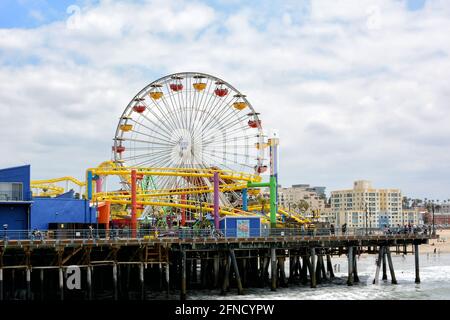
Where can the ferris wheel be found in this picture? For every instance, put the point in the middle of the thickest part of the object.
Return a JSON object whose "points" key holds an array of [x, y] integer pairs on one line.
{"points": [[190, 120]]}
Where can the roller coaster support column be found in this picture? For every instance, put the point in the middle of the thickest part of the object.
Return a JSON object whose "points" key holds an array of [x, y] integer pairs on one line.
{"points": [[273, 142], [99, 184], [244, 200], [273, 197], [133, 204], [89, 185], [216, 200], [183, 210]]}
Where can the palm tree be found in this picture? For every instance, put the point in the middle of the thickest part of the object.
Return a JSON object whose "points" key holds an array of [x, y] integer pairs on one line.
{"points": [[262, 201]]}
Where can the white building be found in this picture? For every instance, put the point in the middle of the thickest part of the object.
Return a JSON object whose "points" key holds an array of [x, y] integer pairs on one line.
{"points": [[363, 206]]}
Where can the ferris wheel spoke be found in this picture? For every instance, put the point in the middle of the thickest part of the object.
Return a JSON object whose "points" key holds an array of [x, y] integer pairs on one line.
{"points": [[224, 122], [171, 105], [172, 125], [169, 130], [219, 108], [153, 130], [170, 143], [205, 97], [209, 106]]}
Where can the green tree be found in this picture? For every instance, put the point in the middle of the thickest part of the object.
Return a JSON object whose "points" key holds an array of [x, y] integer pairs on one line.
{"points": [[303, 206]]}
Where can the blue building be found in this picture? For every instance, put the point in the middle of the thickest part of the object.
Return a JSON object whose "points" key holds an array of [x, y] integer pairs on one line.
{"points": [[64, 209], [20, 211], [15, 198]]}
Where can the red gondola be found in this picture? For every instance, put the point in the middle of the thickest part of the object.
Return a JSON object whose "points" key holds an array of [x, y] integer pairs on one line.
{"points": [[221, 92], [176, 87], [139, 108], [118, 149], [254, 123], [260, 169]]}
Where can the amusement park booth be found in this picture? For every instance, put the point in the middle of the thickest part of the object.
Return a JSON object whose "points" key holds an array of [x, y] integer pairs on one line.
{"points": [[240, 226], [15, 198]]}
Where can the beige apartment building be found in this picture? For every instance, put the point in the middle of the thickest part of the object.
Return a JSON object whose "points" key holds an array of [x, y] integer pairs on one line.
{"points": [[292, 196], [364, 206]]}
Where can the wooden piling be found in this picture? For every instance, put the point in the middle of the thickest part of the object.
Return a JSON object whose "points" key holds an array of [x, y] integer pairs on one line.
{"points": [[183, 276], [273, 268], [41, 278], [89, 282], [216, 270], [330, 266], [416, 260], [350, 266], [115, 287], [384, 266], [1, 283], [355, 267], [168, 277], [226, 275], [61, 283], [391, 265], [282, 278], [28, 280], [236, 272], [304, 270], [377, 272], [318, 271], [312, 269], [141, 280]]}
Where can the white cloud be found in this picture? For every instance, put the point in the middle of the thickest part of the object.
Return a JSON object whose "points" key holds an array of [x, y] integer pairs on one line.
{"points": [[350, 101]]}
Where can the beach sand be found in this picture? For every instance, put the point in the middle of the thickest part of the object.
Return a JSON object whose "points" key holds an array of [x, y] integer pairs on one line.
{"points": [[442, 245]]}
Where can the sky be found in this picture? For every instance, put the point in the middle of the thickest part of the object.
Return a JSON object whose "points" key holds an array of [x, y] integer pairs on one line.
{"points": [[356, 89]]}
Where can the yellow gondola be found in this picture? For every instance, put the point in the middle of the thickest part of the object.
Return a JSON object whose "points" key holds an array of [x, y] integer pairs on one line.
{"points": [[262, 145], [199, 86], [156, 95], [126, 127], [239, 105]]}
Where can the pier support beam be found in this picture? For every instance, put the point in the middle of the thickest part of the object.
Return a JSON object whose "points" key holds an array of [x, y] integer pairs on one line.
{"points": [[168, 277], [89, 282], [226, 275], [141, 281], [183, 276], [350, 266], [355, 266], [304, 270], [216, 270], [391, 266], [416, 254], [384, 266], [377, 272], [61, 283], [28, 278], [313, 267], [236, 272], [115, 288], [273, 267], [1, 284], [330, 266], [41, 278]]}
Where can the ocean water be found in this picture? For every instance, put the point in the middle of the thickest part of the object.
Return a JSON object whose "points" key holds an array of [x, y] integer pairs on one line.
{"points": [[434, 275]]}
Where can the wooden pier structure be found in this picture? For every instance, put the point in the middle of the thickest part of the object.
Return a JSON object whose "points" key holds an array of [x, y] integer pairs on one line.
{"points": [[131, 268]]}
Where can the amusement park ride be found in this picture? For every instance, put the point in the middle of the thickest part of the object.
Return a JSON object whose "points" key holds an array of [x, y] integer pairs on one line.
{"points": [[188, 149]]}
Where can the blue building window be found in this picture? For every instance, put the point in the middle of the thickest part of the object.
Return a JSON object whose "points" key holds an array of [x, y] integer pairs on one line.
{"points": [[11, 191]]}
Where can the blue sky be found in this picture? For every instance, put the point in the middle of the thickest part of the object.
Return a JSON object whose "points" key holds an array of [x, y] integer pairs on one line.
{"points": [[33, 13], [356, 88]]}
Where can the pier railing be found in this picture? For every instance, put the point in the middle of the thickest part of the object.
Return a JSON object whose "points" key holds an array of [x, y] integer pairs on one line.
{"points": [[185, 233]]}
